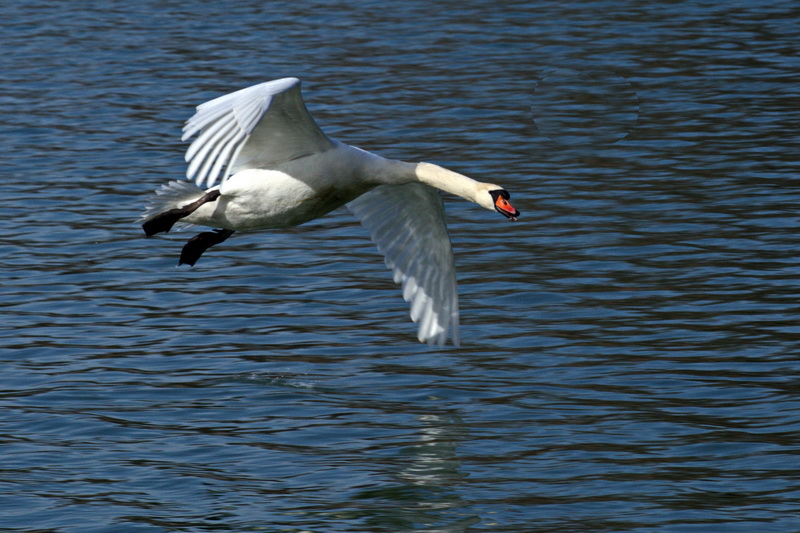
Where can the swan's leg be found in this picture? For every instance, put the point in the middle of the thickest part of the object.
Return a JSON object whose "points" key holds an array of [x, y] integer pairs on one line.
{"points": [[198, 244], [163, 222]]}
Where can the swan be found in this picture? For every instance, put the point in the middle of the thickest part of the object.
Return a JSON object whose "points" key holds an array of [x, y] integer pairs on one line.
{"points": [[278, 169]]}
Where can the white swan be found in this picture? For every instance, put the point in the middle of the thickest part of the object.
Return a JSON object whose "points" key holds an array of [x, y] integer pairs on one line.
{"points": [[281, 170]]}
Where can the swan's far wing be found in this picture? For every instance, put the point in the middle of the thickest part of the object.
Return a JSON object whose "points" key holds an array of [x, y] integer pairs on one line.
{"points": [[408, 226], [255, 127]]}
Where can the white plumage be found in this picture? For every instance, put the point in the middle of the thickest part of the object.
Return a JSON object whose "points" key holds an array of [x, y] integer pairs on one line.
{"points": [[278, 169]]}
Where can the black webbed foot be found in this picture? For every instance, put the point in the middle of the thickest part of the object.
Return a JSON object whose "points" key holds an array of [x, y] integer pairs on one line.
{"points": [[198, 244], [163, 222]]}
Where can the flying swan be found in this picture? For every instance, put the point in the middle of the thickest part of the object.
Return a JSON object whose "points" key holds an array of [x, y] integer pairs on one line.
{"points": [[281, 170]]}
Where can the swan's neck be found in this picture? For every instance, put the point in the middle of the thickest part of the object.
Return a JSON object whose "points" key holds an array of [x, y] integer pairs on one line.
{"points": [[448, 181], [389, 171]]}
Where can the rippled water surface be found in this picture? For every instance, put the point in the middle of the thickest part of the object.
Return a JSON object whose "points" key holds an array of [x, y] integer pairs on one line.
{"points": [[630, 345]]}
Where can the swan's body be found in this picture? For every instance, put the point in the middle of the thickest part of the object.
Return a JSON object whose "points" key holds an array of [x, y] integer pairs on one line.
{"points": [[281, 170]]}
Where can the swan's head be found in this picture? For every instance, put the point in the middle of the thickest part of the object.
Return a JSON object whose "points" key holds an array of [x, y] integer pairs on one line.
{"points": [[496, 198]]}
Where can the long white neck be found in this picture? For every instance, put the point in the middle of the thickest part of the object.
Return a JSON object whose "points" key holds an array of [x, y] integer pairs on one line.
{"points": [[448, 181], [390, 171]]}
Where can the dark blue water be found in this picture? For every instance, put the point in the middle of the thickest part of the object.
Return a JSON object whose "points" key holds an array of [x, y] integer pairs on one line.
{"points": [[630, 346]]}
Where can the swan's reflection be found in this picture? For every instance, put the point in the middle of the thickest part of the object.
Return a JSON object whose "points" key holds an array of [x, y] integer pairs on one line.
{"points": [[425, 497]]}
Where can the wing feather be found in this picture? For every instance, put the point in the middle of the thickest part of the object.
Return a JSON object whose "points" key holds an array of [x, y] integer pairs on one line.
{"points": [[407, 224], [208, 151], [257, 127]]}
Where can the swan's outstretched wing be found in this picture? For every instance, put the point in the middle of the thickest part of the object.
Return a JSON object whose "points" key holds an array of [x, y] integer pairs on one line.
{"points": [[407, 223], [255, 127]]}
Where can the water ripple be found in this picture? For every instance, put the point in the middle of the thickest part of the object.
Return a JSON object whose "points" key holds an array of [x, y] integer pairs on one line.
{"points": [[629, 358]]}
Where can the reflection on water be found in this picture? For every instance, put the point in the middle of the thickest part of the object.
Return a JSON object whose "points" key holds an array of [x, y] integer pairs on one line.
{"points": [[424, 494], [629, 346]]}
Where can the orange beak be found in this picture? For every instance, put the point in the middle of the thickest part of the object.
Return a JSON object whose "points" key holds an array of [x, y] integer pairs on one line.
{"points": [[504, 207]]}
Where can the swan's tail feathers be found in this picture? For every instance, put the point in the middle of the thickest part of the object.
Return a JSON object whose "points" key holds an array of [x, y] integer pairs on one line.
{"points": [[171, 203]]}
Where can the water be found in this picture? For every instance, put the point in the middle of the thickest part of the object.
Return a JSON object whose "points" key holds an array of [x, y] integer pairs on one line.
{"points": [[630, 346]]}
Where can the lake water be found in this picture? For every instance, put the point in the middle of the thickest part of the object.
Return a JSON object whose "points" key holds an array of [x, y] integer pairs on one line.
{"points": [[629, 356]]}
